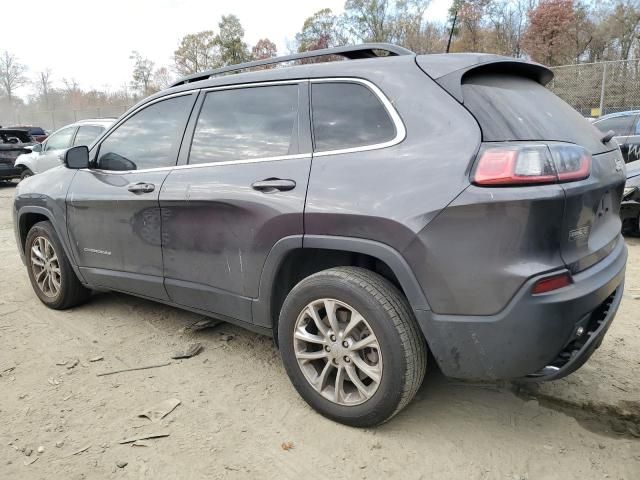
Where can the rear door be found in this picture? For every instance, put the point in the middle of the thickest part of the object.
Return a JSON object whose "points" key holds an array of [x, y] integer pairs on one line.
{"points": [[113, 212], [242, 188], [514, 108]]}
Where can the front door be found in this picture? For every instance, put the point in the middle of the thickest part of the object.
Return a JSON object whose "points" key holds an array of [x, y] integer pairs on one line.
{"points": [[52, 148], [113, 211], [242, 190]]}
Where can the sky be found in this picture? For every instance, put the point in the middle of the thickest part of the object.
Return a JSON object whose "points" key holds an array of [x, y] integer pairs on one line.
{"points": [[91, 41]]}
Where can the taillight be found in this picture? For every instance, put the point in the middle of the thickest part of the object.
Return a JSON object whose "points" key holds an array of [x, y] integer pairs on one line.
{"points": [[551, 283], [531, 165]]}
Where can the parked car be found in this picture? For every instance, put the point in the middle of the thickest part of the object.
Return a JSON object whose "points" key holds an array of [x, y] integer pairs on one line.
{"points": [[13, 142], [38, 133], [360, 211], [626, 126], [47, 155], [630, 208]]}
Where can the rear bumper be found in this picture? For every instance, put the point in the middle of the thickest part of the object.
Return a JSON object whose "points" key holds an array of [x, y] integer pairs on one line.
{"points": [[533, 331]]}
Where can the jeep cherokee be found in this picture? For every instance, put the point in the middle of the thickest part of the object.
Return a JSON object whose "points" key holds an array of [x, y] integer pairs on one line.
{"points": [[361, 211]]}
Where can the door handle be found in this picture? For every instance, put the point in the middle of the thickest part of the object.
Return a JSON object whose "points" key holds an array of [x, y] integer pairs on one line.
{"points": [[272, 185], [141, 187]]}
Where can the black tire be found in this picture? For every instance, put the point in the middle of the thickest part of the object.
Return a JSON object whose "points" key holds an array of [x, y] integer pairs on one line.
{"points": [[631, 227], [26, 173], [402, 345], [70, 292]]}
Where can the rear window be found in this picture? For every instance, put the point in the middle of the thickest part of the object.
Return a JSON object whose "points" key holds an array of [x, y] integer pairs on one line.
{"points": [[348, 115], [36, 131], [517, 108], [246, 123], [621, 125]]}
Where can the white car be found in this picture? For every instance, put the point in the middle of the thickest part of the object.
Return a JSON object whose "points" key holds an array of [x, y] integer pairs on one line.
{"points": [[47, 154]]}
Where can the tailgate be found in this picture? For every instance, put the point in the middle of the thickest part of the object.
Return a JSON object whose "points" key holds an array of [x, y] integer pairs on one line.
{"points": [[591, 224], [513, 106]]}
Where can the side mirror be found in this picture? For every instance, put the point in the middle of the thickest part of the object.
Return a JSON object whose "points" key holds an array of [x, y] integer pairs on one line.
{"points": [[77, 157], [113, 161], [37, 147]]}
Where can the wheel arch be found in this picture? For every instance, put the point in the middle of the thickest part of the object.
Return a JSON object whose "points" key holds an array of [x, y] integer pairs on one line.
{"points": [[24, 163], [27, 217], [296, 257]]}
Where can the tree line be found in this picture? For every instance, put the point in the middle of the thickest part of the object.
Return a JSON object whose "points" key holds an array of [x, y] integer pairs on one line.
{"points": [[552, 32]]}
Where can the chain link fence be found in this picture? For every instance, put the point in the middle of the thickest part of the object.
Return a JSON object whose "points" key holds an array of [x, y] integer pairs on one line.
{"points": [[596, 89], [56, 118]]}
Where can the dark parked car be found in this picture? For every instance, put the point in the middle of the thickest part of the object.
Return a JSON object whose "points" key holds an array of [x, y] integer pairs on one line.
{"points": [[38, 134], [630, 208], [626, 127], [359, 211], [13, 142]]}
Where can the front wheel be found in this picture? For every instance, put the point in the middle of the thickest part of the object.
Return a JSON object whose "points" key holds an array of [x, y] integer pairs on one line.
{"points": [[351, 346], [631, 226], [51, 275], [26, 173]]}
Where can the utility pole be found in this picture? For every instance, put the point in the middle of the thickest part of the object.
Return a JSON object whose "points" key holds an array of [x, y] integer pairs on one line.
{"points": [[453, 26]]}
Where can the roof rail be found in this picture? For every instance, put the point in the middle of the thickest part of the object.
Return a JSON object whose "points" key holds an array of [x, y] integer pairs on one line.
{"points": [[352, 52]]}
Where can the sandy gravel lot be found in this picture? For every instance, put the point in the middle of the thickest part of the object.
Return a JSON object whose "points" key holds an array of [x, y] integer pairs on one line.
{"points": [[58, 419]]}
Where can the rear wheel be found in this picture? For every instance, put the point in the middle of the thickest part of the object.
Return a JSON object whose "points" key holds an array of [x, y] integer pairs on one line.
{"points": [[51, 275], [351, 346]]}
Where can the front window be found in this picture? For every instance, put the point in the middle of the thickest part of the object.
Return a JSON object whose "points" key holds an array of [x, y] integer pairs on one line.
{"points": [[60, 140], [148, 139]]}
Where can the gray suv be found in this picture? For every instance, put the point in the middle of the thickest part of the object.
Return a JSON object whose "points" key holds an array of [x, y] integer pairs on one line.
{"points": [[363, 212]]}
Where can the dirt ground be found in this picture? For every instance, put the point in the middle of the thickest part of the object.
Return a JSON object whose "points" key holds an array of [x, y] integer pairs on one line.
{"points": [[239, 414]]}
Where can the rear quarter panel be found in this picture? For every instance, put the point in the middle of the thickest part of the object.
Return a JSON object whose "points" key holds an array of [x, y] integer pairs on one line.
{"points": [[390, 194]]}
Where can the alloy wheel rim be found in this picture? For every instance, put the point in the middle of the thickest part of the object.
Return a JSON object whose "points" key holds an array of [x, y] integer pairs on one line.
{"points": [[337, 352], [45, 267]]}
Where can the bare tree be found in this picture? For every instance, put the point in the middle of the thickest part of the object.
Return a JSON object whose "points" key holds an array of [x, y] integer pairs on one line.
{"points": [[142, 73], [70, 86], [162, 78], [43, 85], [11, 74]]}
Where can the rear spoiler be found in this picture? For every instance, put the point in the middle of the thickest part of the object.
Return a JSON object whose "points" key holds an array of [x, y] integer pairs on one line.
{"points": [[450, 70]]}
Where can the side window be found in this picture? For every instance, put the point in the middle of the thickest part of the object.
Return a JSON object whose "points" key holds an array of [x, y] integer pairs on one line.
{"points": [[60, 140], [87, 134], [347, 115], [636, 130], [621, 125], [148, 139], [244, 123]]}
